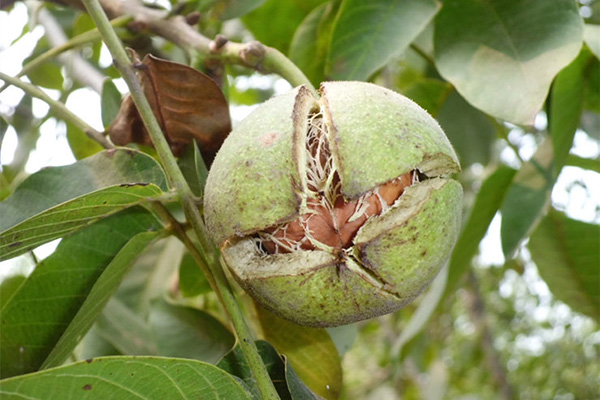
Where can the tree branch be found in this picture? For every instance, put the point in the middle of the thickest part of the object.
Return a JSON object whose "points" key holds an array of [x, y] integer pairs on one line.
{"points": [[423, 54], [210, 254], [252, 55], [77, 68], [84, 38], [476, 309], [59, 108]]}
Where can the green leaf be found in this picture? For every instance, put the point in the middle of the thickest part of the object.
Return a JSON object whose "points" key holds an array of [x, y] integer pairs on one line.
{"points": [[203, 6], [46, 307], [64, 16], [369, 34], [187, 332], [412, 66], [228, 9], [310, 351], [275, 22], [81, 144], [94, 345], [126, 378], [566, 106], [298, 390], [503, 55], [429, 93], [235, 363], [527, 199], [81, 24], [48, 74], [591, 36], [125, 330], [53, 186], [192, 281], [9, 286], [469, 130], [110, 101], [152, 276], [487, 203], [103, 289], [194, 169], [343, 337], [5, 188], [248, 96], [310, 43], [567, 254], [423, 45], [68, 217], [592, 99]]}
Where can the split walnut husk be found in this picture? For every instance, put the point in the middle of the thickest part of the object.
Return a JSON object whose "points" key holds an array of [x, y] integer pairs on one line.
{"points": [[335, 209]]}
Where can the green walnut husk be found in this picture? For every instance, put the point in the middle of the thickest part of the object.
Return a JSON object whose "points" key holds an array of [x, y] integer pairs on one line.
{"points": [[263, 179]]}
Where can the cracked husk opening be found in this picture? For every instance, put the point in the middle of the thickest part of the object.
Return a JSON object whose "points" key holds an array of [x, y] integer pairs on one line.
{"points": [[335, 209], [328, 221]]}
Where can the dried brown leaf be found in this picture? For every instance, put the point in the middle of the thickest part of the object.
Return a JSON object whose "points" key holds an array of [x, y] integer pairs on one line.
{"points": [[187, 103]]}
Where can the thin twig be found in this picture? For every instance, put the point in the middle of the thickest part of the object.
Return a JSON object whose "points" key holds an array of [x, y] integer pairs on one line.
{"points": [[253, 55], [77, 68], [476, 309], [87, 37], [423, 54], [59, 108], [209, 253]]}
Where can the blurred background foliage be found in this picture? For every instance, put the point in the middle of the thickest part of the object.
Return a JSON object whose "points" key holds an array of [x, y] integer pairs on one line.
{"points": [[516, 313]]}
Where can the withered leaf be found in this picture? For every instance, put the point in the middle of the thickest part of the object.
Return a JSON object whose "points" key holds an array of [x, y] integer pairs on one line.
{"points": [[187, 103]]}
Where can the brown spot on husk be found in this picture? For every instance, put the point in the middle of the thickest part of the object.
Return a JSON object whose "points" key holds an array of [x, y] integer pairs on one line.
{"points": [[268, 138]]}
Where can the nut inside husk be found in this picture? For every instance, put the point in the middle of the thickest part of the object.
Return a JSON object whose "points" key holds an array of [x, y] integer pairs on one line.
{"points": [[329, 221], [335, 209]]}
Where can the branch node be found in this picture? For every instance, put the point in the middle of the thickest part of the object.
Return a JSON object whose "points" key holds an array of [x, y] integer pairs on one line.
{"points": [[216, 45], [140, 66], [253, 53], [116, 63], [136, 62], [192, 18], [136, 26]]}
